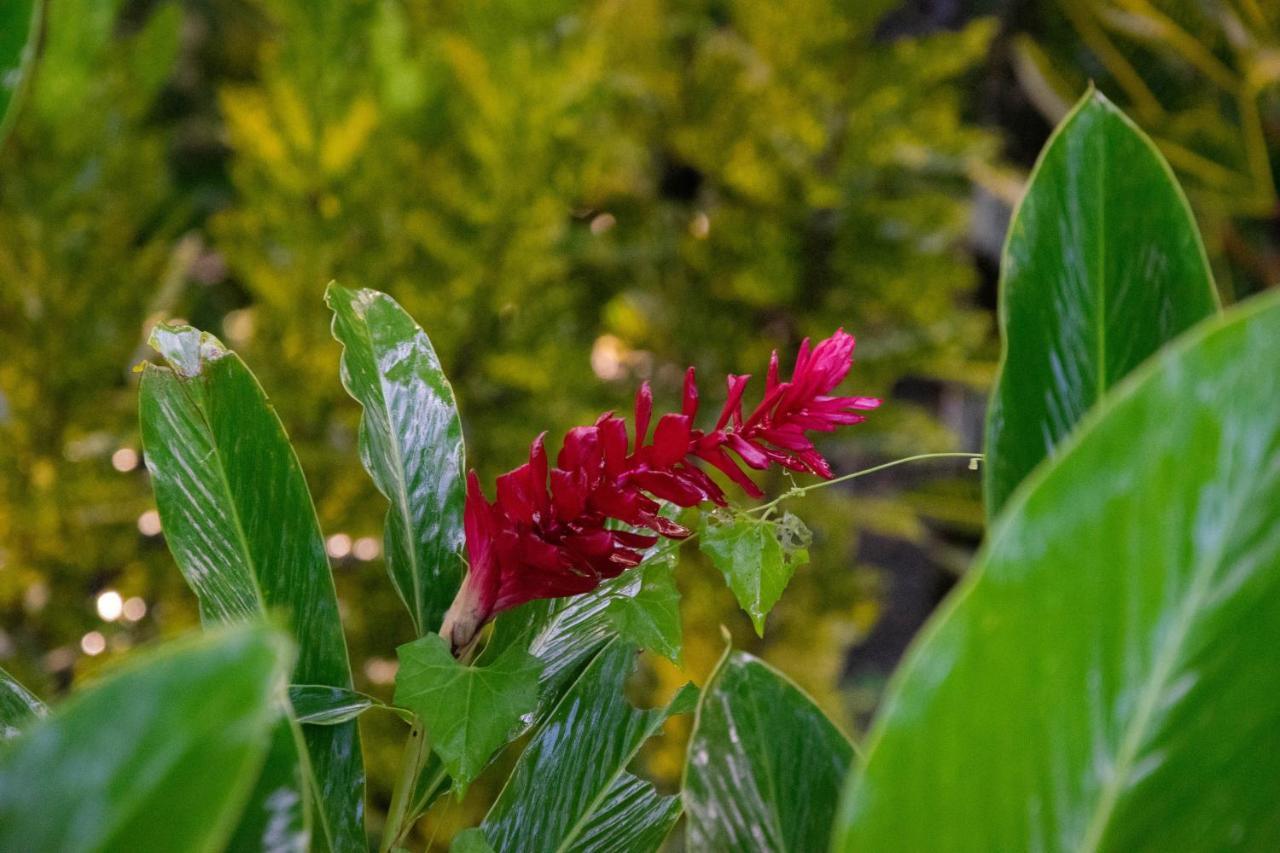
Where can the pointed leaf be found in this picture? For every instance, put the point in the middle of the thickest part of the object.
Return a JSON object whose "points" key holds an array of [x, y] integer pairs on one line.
{"points": [[239, 520], [1103, 265], [765, 765], [747, 551], [564, 634], [410, 443], [468, 711], [571, 789], [651, 618], [321, 705], [1105, 678], [158, 757], [18, 707]]}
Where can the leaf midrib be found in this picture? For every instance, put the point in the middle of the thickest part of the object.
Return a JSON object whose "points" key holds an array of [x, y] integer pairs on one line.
{"points": [[319, 813], [1167, 658], [401, 504]]}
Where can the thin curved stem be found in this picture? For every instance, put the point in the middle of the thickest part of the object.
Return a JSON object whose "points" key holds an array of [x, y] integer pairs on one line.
{"points": [[416, 750], [800, 491]]}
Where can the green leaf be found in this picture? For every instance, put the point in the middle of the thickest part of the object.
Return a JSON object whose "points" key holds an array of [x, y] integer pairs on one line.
{"points": [[19, 41], [571, 790], [765, 765], [322, 705], [468, 711], [278, 816], [159, 756], [1105, 678], [239, 520], [749, 554], [651, 618], [410, 443], [471, 841], [564, 634], [18, 707], [1102, 266]]}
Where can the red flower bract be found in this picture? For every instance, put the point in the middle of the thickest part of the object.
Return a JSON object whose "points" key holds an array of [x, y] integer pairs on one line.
{"points": [[545, 536]]}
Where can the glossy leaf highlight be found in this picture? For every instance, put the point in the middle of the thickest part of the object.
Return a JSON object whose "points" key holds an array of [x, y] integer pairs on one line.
{"points": [[160, 756], [18, 707], [765, 765], [239, 520], [1105, 678], [571, 789], [1103, 264], [410, 443]]}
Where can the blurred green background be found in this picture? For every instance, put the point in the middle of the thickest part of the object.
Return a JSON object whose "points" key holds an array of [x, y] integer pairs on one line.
{"points": [[571, 198]]}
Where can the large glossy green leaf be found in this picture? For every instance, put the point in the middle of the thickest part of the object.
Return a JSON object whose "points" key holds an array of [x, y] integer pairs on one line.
{"points": [[278, 814], [1105, 678], [1103, 265], [468, 711], [160, 756], [19, 38], [564, 634], [410, 443], [765, 765], [651, 618], [239, 520], [18, 706], [571, 789]]}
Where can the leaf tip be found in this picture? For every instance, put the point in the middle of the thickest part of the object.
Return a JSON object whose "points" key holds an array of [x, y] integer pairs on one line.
{"points": [[186, 348]]}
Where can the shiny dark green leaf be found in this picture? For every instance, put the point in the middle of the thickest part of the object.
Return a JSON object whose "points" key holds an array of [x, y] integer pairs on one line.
{"points": [[160, 756], [278, 814], [322, 705], [765, 765], [750, 555], [571, 789], [18, 707], [651, 618], [468, 711], [1102, 266], [410, 443], [19, 40], [564, 634], [239, 520], [1105, 678]]}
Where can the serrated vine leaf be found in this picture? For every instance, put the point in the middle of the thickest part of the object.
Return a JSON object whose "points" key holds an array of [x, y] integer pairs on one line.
{"points": [[470, 841], [410, 443], [240, 523], [749, 554], [765, 765], [468, 711], [1104, 679], [571, 789], [1103, 265], [159, 756], [651, 618]]}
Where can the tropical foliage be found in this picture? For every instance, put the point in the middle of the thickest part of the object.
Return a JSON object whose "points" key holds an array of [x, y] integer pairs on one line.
{"points": [[1101, 678]]}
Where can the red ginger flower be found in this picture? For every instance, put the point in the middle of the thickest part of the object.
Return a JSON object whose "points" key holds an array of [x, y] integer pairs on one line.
{"points": [[538, 542]]}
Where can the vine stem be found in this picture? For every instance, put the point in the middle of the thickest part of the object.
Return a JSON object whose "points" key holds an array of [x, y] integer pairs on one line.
{"points": [[801, 491], [416, 750]]}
